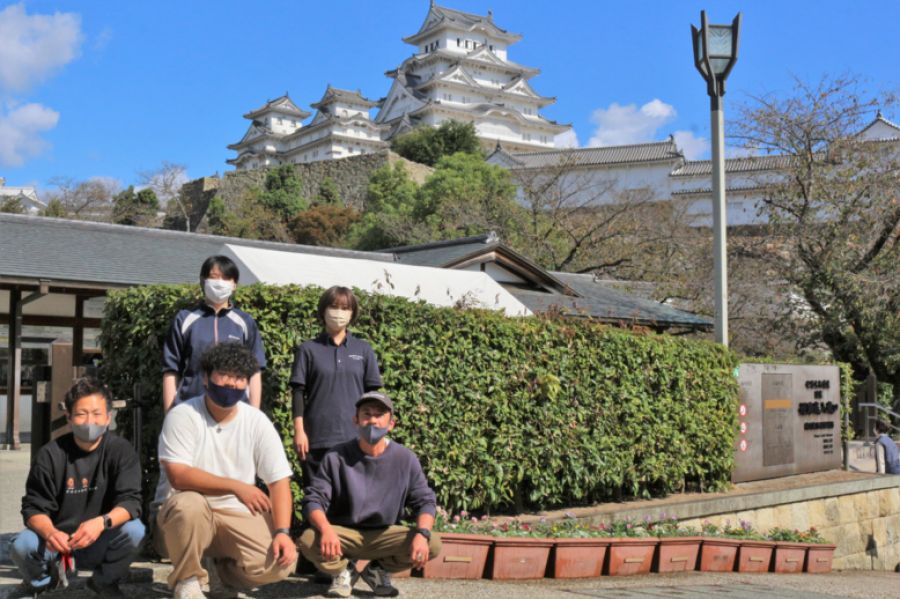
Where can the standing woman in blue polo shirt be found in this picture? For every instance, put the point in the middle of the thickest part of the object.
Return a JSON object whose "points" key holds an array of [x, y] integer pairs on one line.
{"points": [[213, 321], [330, 373]]}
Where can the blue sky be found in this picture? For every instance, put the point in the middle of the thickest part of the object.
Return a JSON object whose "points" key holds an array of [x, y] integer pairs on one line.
{"points": [[109, 89]]}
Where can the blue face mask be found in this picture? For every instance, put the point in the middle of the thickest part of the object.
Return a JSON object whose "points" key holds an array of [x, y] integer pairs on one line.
{"points": [[372, 434], [224, 397]]}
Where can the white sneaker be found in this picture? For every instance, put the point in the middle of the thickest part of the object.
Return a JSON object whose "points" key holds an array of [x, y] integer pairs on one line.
{"points": [[189, 588], [342, 584], [379, 580]]}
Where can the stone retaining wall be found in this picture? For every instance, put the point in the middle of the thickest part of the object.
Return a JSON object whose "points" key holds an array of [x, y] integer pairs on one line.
{"points": [[350, 176]]}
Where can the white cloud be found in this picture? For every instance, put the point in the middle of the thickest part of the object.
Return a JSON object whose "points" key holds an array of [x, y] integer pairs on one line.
{"points": [[567, 139], [619, 125], [19, 132], [693, 147], [630, 124], [33, 47]]}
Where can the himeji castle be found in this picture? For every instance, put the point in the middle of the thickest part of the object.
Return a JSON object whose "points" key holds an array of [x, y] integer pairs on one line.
{"points": [[459, 71]]}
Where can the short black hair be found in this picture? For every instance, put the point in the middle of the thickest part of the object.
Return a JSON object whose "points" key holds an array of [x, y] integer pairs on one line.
{"points": [[229, 358], [84, 387], [226, 265], [882, 427], [340, 296]]}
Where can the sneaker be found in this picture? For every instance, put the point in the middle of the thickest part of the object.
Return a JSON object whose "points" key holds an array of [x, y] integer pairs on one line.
{"points": [[379, 580], [342, 584], [189, 588], [101, 589]]}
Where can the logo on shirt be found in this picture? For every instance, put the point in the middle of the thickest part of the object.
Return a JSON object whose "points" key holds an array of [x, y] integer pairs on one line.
{"points": [[235, 337], [355, 357], [70, 484], [84, 483]]}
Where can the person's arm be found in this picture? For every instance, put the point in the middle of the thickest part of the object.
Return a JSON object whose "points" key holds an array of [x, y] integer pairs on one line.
{"points": [[169, 390], [880, 458], [256, 390], [172, 363], [329, 542], [283, 547], [187, 478], [419, 551], [91, 529], [43, 526], [39, 501], [301, 440], [372, 376]]}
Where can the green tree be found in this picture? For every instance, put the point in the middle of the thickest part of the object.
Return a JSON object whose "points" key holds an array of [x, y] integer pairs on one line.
{"points": [[55, 209], [12, 206], [328, 192], [833, 238], [283, 193], [466, 196], [427, 145], [389, 217], [136, 209], [248, 218]]}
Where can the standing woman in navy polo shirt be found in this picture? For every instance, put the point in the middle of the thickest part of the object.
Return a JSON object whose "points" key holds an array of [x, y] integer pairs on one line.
{"points": [[195, 330], [330, 373]]}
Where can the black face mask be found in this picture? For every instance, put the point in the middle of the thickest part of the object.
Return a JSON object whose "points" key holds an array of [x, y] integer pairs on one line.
{"points": [[224, 397]]}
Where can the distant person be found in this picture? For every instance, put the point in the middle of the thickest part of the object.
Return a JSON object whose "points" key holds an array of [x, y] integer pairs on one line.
{"points": [[356, 500], [82, 499], [330, 372], [212, 448], [887, 457], [215, 320]]}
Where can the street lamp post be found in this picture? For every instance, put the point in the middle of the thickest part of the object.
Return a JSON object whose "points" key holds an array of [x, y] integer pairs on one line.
{"points": [[715, 52]]}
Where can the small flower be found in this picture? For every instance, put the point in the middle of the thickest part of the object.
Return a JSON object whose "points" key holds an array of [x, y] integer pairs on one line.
{"points": [[475, 520], [464, 514], [456, 519]]}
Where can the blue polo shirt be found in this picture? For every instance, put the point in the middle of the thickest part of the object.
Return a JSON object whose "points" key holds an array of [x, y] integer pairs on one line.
{"points": [[197, 329], [333, 377]]}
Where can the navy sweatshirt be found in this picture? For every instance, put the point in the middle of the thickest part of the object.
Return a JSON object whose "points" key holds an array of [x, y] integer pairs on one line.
{"points": [[360, 491]]}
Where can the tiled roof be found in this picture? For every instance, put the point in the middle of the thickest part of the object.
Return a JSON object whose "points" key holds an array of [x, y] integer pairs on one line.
{"points": [[646, 152], [747, 164], [282, 104], [465, 20], [56, 249], [601, 301], [334, 94]]}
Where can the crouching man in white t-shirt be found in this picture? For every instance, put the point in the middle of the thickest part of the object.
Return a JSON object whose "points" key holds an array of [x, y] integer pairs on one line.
{"points": [[211, 449]]}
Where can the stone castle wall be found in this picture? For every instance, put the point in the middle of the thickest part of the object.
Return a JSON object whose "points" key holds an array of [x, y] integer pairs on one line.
{"points": [[350, 175]]}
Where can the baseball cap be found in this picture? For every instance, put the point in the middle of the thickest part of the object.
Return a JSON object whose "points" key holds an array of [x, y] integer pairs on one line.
{"points": [[377, 396]]}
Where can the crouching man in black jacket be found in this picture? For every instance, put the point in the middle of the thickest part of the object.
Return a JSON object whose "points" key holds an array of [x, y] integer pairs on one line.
{"points": [[82, 500]]}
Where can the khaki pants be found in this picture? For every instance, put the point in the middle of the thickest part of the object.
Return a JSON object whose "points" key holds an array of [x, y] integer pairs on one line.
{"points": [[187, 530], [391, 546]]}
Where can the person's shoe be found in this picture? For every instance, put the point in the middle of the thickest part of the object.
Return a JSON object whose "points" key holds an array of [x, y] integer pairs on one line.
{"points": [[342, 584], [110, 590], [379, 580], [189, 588]]}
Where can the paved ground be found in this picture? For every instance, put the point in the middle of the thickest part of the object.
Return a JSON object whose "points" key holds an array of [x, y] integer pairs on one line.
{"points": [[149, 578]]}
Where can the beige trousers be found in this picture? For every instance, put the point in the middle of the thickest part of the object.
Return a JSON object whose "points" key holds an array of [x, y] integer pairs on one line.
{"points": [[391, 546], [187, 530]]}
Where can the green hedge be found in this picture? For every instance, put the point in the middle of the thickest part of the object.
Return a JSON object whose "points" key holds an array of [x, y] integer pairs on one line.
{"points": [[505, 413]]}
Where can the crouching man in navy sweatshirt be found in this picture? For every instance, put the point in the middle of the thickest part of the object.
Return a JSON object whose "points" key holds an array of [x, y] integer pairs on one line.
{"points": [[356, 499], [82, 499]]}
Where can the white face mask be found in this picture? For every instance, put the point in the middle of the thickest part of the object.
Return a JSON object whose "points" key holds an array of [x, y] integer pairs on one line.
{"points": [[337, 319], [217, 290]]}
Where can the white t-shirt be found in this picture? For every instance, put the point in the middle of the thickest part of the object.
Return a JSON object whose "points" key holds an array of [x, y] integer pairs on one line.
{"points": [[243, 448]]}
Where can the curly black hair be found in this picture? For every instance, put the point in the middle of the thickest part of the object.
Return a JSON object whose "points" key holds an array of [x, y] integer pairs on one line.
{"points": [[84, 387], [229, 358]]}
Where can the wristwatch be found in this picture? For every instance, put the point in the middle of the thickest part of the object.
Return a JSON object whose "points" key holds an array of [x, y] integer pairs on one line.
{"points": [[279, 531], [107, 522], [425, 533]]}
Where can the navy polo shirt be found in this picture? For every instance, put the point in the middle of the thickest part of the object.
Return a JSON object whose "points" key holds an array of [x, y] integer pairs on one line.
{"points": [[334, 377], [197, 329]]}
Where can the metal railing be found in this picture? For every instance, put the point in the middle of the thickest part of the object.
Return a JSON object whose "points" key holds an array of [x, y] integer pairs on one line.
{"points": [[870, 414]]}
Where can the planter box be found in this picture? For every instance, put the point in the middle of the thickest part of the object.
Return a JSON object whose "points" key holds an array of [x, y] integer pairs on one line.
{"points": [[462, 556], [578, 558], [818, 558], [755, 556], [718, 554], [515, 558], [631, 555], [677, 554], [789, 557]]}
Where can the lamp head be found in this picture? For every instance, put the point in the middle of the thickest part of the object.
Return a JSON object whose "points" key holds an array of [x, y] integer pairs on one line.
{"points": [[715, 51]]}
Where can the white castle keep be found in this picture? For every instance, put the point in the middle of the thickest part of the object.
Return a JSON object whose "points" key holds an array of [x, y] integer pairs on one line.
{"points": [[460, 71]]}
